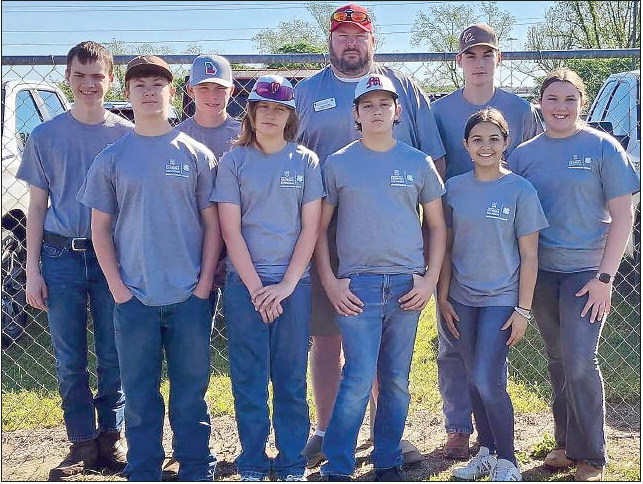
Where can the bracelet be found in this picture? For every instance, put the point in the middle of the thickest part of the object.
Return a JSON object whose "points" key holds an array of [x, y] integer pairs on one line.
{"points": [[525, 313]]}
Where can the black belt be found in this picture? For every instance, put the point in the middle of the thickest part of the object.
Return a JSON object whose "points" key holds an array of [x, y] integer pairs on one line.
{"points": [[77, 244]]}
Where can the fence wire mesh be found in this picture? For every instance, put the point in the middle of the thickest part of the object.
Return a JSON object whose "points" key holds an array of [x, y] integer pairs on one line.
{"points": [[31, 94]]}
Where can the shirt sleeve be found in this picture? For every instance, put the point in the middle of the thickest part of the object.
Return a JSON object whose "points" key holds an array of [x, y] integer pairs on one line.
{"points": [[428, 133], [313, 184], [31, 168], [204, 183], [98, 190], [618, 175], [433, 187], [328, 173], [529, 213], [514, 161], [448, 209], [226, 186], [532, 125]]}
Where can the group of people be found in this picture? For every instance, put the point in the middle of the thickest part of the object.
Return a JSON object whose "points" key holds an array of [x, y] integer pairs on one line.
{"points": [[393, 198]]}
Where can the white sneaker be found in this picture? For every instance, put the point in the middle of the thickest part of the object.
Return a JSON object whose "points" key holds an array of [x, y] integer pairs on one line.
{"points": [[294, 478], [480, 466], [505, 471]]}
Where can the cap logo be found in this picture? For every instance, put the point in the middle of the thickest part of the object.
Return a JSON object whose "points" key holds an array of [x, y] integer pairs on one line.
{"points": [[467, 36], [210, 69], [373, 81], [274, 87]]}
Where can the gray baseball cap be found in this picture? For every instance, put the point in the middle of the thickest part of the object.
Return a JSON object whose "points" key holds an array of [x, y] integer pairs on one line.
{"points": [[211, 68]]}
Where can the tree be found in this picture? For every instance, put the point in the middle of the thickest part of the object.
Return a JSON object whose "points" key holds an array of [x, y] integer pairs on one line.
{"points": [[439, 30], [299, 48]]}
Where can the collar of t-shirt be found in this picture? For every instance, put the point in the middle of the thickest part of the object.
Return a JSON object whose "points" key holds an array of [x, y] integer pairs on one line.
{"points": [[348, 79]]}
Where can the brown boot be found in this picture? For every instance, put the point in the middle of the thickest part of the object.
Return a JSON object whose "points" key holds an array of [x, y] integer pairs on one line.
{"points": [[82, 456], [588, 473], [112, 451], [557, 459], [457, 446]]}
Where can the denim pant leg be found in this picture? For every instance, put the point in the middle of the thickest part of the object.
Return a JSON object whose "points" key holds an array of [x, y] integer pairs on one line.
{"points": [[393, 368], [249, 353], [484, 350], [581, 376], [546, 307], [64, 273], [109, 399], [456, 403], [186, 338], [140, 354], [288, 364], [361, 337]]}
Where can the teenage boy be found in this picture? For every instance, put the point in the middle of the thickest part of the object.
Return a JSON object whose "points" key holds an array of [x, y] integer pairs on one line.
{"points": [[153, 186], [324, 104], [377, 183], [478, 57], [62, 271]]}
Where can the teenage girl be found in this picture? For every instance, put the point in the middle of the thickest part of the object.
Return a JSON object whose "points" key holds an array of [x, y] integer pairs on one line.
{"points": [[487, 284], [269, 191]]}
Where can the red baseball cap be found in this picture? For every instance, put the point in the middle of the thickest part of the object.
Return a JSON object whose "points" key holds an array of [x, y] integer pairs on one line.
{"points": [[351, 13]]}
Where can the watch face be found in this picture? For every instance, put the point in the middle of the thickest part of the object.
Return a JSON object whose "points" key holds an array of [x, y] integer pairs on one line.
{"points": [[603, 277]]}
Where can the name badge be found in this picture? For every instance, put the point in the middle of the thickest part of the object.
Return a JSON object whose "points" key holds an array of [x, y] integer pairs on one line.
{"points": [[324, 104]]}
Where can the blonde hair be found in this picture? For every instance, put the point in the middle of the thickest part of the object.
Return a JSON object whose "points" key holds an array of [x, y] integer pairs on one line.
{"points": [[565, 74], [248, 134]]}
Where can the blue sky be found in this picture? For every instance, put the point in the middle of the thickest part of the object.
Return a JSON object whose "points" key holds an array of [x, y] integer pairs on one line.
{"points": [[226, 27]]}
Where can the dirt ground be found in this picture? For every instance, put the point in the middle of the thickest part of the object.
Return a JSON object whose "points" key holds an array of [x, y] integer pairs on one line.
{"points": [[28, 455]]}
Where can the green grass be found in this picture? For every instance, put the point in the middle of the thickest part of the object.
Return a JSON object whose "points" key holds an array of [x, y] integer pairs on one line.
{"points": [[30, 393]]}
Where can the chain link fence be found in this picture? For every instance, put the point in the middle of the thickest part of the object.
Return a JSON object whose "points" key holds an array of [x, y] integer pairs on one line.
{"points": [[33, 91]]}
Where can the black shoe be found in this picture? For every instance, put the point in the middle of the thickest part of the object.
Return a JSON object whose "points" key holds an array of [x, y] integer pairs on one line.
{"points": [[390, 474], [82, 456]]}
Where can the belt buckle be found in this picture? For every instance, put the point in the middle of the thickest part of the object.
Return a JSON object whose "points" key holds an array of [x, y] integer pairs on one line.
{"points": [[78, 239]]}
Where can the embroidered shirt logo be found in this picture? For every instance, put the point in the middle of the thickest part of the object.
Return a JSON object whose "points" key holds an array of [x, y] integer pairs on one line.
{"points": [[580, 163], [210, 69], [173, 168], [290, 179], [401, 178], [498, 211], [373, 81]]}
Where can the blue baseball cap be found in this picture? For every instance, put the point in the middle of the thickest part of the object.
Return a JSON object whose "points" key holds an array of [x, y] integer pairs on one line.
{"points": [[211, 68]]}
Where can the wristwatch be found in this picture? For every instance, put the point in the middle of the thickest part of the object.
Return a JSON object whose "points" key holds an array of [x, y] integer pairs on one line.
{"points": [[604, 277], [525, 313]]}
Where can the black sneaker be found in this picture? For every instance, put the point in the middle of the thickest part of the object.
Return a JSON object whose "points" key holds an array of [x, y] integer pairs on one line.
{"points": [[390, 474]]}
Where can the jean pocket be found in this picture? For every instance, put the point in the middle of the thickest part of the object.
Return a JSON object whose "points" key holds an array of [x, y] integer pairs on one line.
{"points": [[51, 251], [126, 303], [207, 299]]}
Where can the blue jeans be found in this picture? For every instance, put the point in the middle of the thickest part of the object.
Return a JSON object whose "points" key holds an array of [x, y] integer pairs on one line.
{"points": [[73, 278], [483, 348], [572, 347], [262, 352], [379, 341], [456, 404], [143, 333]]}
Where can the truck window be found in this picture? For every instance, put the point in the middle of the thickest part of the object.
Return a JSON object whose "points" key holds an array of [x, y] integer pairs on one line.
{"points": [[598, 112], [27, 114], [53, 102], [618, 110]]}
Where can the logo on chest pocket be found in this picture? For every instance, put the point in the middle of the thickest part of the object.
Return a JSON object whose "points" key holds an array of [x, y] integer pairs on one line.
{"points": [[176, 168], [401, 178], [291, 179], [579, 162], [498, 211]]}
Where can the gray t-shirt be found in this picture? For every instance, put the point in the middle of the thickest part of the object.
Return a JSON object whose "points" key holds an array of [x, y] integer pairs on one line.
{"points": [[377, 195], [326, 124], [453, 111], [155, 188], [575, 177], [271, 190], [218, 139], [57, 157], [487, 218]]}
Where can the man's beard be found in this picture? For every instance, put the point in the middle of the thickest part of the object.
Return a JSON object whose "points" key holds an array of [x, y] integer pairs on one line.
{"points": [[351, 67]]}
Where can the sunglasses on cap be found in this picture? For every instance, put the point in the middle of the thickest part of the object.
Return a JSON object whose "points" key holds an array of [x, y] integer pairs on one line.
{"points": [[359, 17], [274, 91]]}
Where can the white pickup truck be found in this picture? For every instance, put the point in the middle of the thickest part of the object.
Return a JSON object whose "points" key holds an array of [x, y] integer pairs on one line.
{"points": [[25, 105], [617, 110]]}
